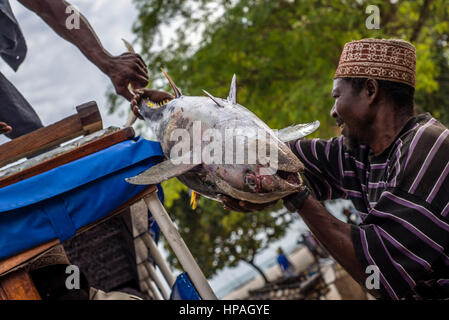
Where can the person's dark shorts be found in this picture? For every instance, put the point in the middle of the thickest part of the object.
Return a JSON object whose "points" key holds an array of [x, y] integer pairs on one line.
{"points": [[16, 111]]}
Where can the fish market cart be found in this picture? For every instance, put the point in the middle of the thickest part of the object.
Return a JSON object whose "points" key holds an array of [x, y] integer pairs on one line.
{"points": [[71, 185]]}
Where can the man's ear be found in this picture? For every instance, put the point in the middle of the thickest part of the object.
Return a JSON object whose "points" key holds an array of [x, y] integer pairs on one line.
{"points": [[371, 90]]}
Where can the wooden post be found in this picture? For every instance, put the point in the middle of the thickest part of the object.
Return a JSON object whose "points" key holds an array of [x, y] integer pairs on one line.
{"points": [[153, 289], [160, 261], [179, 247], [18, 285], [145, 287], [153, 275]]}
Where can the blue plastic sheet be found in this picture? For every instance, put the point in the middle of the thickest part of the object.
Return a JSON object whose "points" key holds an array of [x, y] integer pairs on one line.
{"points": [[57, 203], [183, 289]]}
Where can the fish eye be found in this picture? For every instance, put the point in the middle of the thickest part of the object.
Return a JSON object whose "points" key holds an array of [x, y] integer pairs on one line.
{"points": [[250, 180]]}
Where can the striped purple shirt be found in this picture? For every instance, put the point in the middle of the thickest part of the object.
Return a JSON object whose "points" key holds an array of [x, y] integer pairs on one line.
{"points": [[402, 197]]}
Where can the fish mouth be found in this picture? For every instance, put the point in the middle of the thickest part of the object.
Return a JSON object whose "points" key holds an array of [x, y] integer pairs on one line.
{"points": [[155, 105], [291, 178], [285, 181]]}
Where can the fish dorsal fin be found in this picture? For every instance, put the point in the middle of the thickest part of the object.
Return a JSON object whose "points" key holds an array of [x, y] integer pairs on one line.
{"points": [[175, 89], [298, 131], [128, 46], [232, 98], [160, 172], [213, 99]]}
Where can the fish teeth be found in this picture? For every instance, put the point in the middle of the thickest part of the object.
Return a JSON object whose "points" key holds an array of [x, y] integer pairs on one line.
{"points": [[157, 104]]}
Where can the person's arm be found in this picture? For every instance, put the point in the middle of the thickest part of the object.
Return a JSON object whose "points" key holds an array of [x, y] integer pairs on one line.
{"points": [[324, 166], [334, 235], [124, 69]]}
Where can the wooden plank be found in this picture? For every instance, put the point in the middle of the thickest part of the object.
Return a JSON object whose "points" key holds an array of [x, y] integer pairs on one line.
{"points": [[3, 295], [14, 261], [69, 156], [90, 117], [20, 258], [18, 285], [87, 120]]}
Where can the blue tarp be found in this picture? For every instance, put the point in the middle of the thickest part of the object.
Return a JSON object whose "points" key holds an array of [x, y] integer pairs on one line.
{"points": [[183, 289], [57, 203]]}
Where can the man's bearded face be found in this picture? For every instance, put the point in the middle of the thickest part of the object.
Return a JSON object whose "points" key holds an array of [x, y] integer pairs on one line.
{"points": [[351, 112]]}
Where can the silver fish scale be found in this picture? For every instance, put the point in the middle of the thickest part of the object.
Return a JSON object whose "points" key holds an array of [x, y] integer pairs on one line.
{"points": [[230, 179]]}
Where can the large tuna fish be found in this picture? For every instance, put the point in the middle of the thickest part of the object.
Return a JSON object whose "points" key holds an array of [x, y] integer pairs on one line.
{"points": [[207, 123]]}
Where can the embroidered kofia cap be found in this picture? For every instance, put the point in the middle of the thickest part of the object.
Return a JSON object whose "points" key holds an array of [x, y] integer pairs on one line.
{"points": [[382, 59]]}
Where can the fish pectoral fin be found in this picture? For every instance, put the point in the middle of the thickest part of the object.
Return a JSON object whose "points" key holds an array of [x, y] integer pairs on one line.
{"points": [[194, 199], [298, 131], [160, 172]]}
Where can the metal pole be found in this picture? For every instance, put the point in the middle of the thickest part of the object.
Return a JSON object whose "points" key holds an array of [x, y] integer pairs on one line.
{"points": [[180, 249], [153, 275], [160, 261]]}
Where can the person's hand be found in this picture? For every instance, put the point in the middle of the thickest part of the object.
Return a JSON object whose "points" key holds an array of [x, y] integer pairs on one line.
{"points": [[154, 95], [128, 68], [230, 203], [295, 201], [4, 128]]}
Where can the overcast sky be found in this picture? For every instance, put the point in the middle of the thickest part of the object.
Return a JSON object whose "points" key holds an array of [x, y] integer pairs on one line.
{"points": [[55, 77]]}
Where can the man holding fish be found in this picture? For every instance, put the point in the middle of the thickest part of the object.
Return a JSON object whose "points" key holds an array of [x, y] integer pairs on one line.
{"points": [[391, 163]]}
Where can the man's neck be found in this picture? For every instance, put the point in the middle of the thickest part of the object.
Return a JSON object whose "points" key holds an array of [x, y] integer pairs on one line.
{"points": [[385, 128]]}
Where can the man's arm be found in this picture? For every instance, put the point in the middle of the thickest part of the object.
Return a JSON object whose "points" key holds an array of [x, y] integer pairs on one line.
{"points": [[334, 235], [124, 69]]}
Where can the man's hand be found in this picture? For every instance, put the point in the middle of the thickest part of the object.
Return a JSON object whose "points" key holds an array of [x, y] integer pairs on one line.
{"points": [[295, 201], [4, 128], [128, 68], [243, 206], [154, 95]]}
